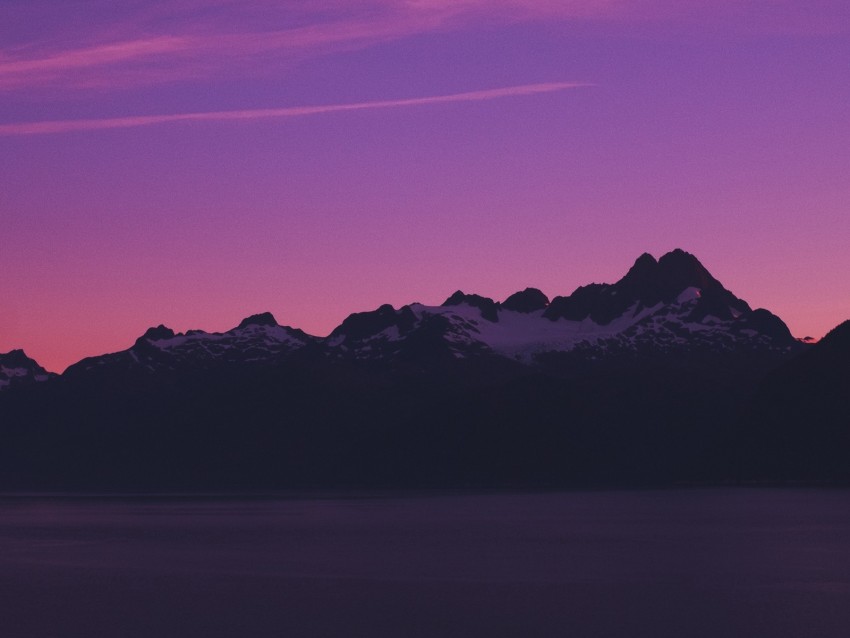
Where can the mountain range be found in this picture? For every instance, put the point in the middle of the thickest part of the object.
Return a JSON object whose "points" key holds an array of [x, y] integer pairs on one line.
{"points": [[664, 376], [672, 304]]}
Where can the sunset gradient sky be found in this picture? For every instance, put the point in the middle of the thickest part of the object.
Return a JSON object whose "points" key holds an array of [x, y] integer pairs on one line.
{"points": [[191, 162]]}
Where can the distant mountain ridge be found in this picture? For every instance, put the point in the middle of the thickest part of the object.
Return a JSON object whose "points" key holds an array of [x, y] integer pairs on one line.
{"points": [[257, 338], [664, 305]]}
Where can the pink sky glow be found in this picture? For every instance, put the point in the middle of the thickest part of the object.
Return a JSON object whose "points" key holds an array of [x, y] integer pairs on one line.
{"points": [[192, 162]]}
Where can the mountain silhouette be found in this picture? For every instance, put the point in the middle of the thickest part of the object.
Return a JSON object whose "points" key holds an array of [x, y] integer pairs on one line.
{"points": [[662, 377]]}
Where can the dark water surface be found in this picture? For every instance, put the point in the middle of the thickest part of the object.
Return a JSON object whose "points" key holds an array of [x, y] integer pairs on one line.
{"points": [[722, 563]]}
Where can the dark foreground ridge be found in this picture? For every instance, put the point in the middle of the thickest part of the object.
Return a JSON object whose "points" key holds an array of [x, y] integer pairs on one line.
{"points": [[662, 377]]}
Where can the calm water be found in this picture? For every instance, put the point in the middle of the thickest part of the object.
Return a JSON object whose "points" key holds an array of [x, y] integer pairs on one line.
{"points": [[719, 563]]}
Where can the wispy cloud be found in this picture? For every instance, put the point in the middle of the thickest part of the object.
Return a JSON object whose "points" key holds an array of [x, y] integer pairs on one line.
{"points": [[165, 41], [198, 52], [63, 126], [95, 56], [34, 70]]}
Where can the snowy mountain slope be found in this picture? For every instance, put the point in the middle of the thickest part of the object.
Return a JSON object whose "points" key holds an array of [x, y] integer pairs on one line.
{"points": [[672, 303], [257, 339]]}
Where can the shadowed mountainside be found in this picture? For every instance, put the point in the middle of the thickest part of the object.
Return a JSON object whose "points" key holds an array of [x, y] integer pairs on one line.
{"points": [[797, 425]]}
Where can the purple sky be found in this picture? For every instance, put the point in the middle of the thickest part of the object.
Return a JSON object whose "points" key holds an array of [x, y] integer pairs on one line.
{"points": [[192, 162]]}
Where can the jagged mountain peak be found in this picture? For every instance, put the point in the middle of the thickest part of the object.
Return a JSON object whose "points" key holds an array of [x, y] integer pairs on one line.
{"points": [[489, 308], [15, 357], [459, 297], [651, 281], [680, 256], [16, 368], [261, 319], [682, 269], [456, 298], [528, 300], [643, 266], [361, 325], [158, 333], [676, 278]]}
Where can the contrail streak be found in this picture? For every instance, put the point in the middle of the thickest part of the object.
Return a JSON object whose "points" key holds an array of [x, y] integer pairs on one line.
{"points": [[64, 126]]}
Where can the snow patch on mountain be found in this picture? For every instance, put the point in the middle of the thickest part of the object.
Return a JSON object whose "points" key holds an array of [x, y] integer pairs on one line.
{"points": [[252, 335], [521, 335], [691, 293]]}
